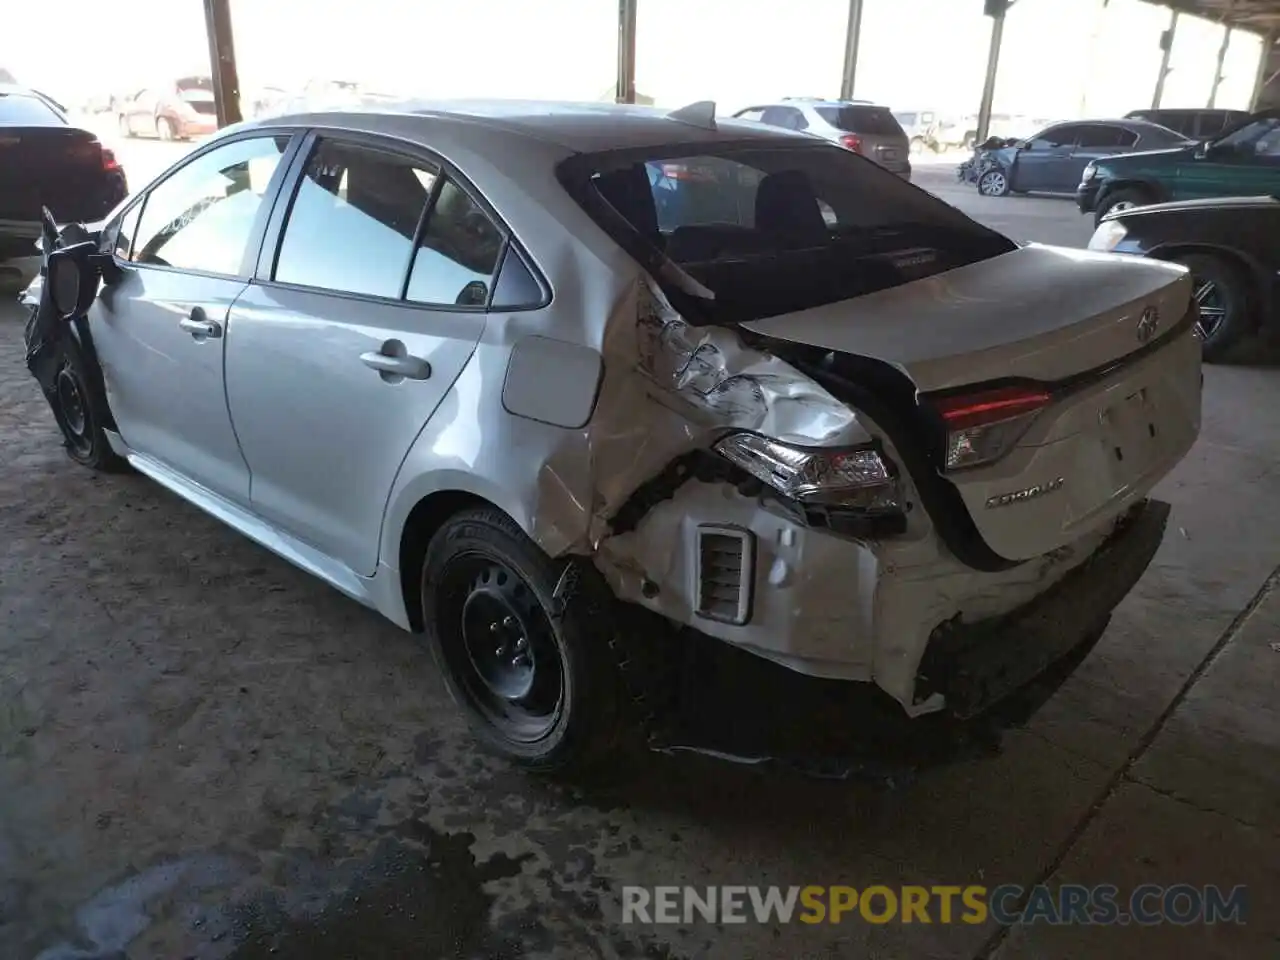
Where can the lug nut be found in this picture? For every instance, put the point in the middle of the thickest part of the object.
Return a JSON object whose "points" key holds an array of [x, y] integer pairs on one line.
{"points": [[521, 643]]}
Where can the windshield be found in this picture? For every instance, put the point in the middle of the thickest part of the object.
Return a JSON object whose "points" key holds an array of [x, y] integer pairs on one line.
{"points": [[1256, 136], [20, 109], [769, 227]]}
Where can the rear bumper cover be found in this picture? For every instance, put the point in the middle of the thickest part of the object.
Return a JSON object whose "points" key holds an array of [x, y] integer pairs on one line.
{"points": [[974, 666]]}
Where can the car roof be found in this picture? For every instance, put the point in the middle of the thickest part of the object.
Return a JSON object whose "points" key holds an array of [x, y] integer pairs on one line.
{"points": [[576, 127]]}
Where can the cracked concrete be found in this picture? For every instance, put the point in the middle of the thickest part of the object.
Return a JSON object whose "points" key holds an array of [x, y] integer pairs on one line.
{"points": [[205, 753]]}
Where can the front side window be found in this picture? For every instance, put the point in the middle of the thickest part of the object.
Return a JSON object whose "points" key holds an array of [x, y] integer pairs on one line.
{"points": [[1256, 139], [201, 217], [353, 219], [1055, 138], [1101, 137], [454, 263]]}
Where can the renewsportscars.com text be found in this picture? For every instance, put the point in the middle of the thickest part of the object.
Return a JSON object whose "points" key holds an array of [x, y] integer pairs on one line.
{"points": [[1008, 904]]}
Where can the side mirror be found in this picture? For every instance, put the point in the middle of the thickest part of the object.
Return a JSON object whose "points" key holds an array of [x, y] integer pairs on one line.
{"points": [[72, 276]]}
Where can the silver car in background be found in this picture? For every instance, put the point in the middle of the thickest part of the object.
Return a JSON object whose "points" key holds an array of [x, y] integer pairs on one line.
{"points": [[862, 126]]}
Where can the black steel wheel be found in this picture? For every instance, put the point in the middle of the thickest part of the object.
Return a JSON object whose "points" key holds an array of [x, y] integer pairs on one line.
{"points": [[82, 415], [534, 672]]}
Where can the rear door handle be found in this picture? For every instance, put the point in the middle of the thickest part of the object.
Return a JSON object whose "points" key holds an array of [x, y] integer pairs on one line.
{"points": [[200, 326], [411, 368]]}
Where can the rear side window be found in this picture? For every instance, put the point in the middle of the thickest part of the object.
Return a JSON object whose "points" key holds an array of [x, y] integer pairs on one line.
{"points": [[353, 219], [19, 109], [201, 217], [789, 118], [1101, 136], [875, 121], [455, 262]]}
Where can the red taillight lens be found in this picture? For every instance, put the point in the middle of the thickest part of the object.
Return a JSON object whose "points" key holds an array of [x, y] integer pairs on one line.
{"points": [[109, 161], [852, 141], [982, 427]]}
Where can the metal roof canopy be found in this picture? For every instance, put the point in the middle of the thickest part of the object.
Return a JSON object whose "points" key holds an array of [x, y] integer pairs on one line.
{"points": [[1260, 16]]}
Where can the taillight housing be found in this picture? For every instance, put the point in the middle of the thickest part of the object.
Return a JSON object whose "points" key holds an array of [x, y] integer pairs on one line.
{"points": [[859, 478], [981, 427], [852, 142], [109, 161]]}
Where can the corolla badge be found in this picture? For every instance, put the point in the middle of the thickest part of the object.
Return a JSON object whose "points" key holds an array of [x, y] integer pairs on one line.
{"points": [[1028, 493], [1148, 324]]}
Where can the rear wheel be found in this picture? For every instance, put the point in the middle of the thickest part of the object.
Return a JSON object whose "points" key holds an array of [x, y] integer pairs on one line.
{"points": [[534, 673], [1126, 198], [917, 145], [125, 129], [1225, 298], [166, 129], [993, 183]]}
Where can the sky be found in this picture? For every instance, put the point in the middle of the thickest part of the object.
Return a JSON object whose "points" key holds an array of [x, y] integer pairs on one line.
{"points": [[1060, 59]]}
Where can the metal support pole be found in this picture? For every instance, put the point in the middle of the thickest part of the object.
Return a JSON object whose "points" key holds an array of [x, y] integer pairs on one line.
{"points": [[1222, 59], [989, 84], [851, 40], [222, 58], [626, 89], [1166, 43], [1260, 80]]}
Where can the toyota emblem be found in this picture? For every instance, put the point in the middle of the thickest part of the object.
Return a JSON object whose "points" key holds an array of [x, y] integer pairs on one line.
{"points": [[1148, 324]]}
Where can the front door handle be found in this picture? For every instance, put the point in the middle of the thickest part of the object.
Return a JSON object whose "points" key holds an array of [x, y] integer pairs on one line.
{"points": [[200, 326], [411, 368]]}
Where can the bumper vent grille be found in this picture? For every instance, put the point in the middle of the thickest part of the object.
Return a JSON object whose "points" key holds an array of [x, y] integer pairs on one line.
{"points": [[726, 560]]}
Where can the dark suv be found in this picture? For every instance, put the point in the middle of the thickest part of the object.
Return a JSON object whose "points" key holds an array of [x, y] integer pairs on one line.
{"points": [[1243, 162], [1194, 124]]}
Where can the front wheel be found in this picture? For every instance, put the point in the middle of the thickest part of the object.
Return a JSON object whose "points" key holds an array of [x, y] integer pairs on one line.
{"points": [[80, 414], [534, 673], [1123, 199], [1225, 298], [993, 183]]}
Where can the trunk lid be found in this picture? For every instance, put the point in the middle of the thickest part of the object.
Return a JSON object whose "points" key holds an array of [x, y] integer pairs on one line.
{"points": [[1042, 313], [1125, 403], [56, 166]]}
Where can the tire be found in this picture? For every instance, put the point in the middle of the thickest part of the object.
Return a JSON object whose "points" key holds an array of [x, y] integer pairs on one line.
{"points": [[1227, 303], [1122, 199], [165, 129], [81, 414], [535, 674], [916, 146], [994, 183], [126, 130]]}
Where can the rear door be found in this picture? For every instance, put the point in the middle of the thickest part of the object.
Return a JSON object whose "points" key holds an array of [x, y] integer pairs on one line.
{"points": [[1093, 142], [362, 315]]}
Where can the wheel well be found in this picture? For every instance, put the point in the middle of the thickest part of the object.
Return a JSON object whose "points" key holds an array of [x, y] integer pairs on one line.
{"points": [[426, 517], [1248, 271], [1141, 186]]}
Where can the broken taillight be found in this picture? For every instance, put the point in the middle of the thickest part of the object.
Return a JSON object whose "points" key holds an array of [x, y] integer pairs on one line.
{"points": [[852, 141], [983, 426]]}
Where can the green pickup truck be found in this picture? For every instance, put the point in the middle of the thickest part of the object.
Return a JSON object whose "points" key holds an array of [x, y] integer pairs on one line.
{"points": [[1242, 162]]}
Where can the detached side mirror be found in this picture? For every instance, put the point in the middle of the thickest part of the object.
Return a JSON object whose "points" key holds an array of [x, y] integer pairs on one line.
{"points": [[72, 274]]}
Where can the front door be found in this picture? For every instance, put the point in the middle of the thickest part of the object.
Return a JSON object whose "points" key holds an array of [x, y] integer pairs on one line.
{"points": [[339, 356], [1244, 163], [1044, 162], [161, 328]]}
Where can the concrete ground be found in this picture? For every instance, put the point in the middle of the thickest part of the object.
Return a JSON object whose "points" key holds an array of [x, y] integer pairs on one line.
{"points": [[205, 753]]}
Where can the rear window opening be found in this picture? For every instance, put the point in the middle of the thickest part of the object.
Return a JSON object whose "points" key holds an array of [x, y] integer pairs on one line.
{"points": [[772, 228], [874, 121]]}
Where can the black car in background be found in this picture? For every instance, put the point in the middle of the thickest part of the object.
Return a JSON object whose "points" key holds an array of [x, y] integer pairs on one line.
{"points": [[1195, 123], [1053, 160], [48, 162], [1231, 246]]}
